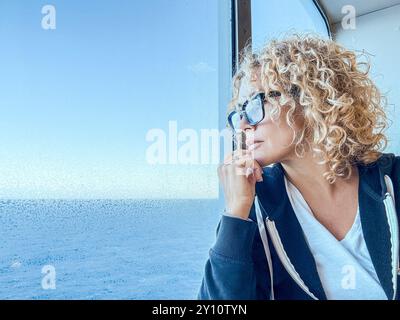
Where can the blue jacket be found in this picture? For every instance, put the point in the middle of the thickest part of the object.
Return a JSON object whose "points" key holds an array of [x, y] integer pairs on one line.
{"points": [[237, 267]]}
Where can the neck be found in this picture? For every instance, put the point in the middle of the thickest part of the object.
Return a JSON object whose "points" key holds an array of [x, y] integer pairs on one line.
{"points": [[306, 174]]}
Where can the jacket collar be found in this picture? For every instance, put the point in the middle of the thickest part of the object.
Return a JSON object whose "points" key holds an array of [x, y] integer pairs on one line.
{"points": [[274, 199], [376, 230]]}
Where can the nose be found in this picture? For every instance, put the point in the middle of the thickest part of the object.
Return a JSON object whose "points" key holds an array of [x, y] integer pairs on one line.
{"points": [[244, 125]]}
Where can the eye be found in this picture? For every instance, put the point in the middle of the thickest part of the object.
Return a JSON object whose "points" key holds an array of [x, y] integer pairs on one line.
{"points": [[274, 94]]}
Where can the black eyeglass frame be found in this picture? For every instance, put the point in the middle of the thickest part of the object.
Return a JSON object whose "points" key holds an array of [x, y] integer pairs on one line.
{"points": [[294, 92], [259, 96]]}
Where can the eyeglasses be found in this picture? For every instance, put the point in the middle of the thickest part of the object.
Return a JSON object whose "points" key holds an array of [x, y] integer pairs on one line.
{"points": [[253, 110]]}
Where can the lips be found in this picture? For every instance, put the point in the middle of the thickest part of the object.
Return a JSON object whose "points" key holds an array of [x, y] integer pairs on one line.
{"points": [[254, 144]]}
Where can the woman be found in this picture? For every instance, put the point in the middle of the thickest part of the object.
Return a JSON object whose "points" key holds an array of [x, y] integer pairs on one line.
{"points": [[309, 212]]}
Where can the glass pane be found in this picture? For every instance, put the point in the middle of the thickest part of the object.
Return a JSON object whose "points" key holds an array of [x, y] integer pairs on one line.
{"points": [[275, 18], [105, 189]]}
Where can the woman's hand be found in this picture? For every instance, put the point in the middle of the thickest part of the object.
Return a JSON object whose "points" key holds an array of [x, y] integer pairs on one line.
{"points": [[238, 175]]}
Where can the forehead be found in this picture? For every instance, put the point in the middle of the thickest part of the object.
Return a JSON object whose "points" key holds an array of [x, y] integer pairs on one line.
{"points": [[248, 88]]}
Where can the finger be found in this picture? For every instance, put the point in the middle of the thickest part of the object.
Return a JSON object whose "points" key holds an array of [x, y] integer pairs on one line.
{"points": [[249, 171], [258, 174], [242, 171], [245, 160], [240, 137], [229, 158], [236, 154], [240, 152], [249, 162], [252, 178]]}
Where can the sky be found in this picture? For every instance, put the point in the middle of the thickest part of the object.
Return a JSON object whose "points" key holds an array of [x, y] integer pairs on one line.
{"points": [[77, 102]]}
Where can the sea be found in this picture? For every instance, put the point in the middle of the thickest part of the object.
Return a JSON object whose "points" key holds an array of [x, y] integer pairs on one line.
{"points": [[105, 249]]}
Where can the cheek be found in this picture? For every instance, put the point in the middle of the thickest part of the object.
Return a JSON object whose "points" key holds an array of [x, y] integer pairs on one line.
{"points": [[277, 137], [275, 134], [277, 142]]}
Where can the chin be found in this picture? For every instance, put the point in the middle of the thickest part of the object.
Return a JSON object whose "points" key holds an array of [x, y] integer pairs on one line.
{"points": [[261, 158], [266, 157]]}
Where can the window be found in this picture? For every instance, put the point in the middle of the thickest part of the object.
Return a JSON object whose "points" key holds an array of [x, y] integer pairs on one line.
{"points": [[99, 197]]}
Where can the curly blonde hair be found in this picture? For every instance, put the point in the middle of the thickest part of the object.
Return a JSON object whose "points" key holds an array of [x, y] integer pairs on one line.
{"points": [[343, 110]]}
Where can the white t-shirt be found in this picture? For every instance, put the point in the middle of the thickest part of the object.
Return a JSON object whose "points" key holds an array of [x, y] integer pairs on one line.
{"points": [[344, 267]]}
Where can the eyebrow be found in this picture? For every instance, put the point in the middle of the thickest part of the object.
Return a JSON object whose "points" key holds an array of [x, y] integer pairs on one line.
{"points": [[253, 93], [249, 96]]}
